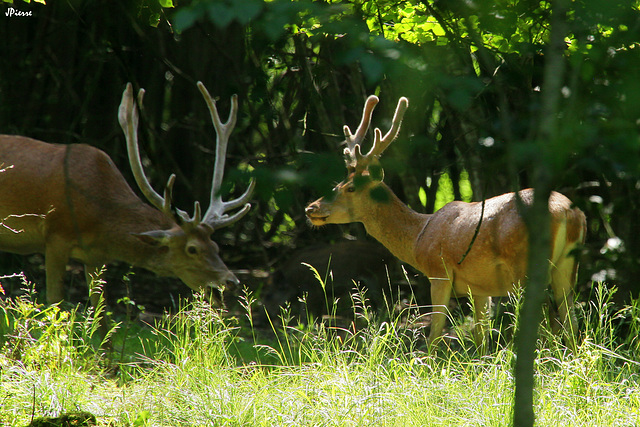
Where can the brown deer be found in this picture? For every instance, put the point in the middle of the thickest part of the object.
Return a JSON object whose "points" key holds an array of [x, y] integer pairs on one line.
{"points": [[442, 245], [71, 201]]}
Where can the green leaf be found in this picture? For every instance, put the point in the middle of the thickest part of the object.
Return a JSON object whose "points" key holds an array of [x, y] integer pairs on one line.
{"points": [[185, 18], [164, 3], [154, 19], [142, 419], [372, 68], [220, 14], [246, 10]]}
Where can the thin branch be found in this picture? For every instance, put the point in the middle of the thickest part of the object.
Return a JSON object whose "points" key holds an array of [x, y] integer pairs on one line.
{"points": [[6, 227]]}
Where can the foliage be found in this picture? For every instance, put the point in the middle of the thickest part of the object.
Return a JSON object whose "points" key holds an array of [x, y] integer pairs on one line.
{"points": [[75, 419], [45, 336], [26, 1]]}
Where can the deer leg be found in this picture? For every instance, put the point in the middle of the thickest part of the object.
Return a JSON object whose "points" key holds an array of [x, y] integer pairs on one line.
{"points": [[481, 306], [55, 262], [440, 296], [563, 279]]}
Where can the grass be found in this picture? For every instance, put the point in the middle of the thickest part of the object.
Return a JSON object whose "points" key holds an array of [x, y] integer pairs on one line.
{"points": [[202, 367]]}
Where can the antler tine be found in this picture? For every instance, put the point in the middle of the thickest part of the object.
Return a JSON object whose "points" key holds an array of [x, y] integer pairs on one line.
{"points": [[218, 219], [215, 215], [128, 119], [367, 111], [381, 143]]}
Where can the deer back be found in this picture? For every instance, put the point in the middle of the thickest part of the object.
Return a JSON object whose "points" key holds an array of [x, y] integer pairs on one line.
{"points": [[497, 257], [73, 194]]}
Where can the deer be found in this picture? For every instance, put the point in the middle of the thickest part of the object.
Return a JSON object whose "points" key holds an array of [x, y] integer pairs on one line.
{"points": [[475, 249], [70, 201]]}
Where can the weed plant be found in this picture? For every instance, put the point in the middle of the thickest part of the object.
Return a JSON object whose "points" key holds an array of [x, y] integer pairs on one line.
{"points": [[204, 367]]}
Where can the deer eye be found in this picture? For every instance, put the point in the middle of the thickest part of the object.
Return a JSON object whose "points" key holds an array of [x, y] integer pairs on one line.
{"points": [[351, 188], [192, 250]]}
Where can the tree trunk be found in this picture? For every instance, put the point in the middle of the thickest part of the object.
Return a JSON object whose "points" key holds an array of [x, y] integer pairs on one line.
{"points": [[538, 219]]}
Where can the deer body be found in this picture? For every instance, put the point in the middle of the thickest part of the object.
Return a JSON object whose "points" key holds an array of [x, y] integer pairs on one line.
{"points": [[71, 201], [75, 218], [442, 245]]}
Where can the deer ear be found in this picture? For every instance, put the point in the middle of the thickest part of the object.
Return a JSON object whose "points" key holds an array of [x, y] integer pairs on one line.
{"points": [[153, 238]]}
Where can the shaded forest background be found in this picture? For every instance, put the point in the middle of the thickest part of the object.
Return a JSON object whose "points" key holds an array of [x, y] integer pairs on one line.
{"points": [[302, 69]]}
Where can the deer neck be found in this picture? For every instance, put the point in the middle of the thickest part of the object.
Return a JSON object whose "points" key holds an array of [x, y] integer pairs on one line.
{"points": [[120, 243], [395, 225]]}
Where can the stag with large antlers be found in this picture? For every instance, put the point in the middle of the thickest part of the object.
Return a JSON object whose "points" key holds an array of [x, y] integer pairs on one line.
{"points": [[458, 251], [70, 201]]}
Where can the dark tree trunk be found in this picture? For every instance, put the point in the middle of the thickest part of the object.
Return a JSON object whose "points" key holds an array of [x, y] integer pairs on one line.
{"points": [[538, 222]]}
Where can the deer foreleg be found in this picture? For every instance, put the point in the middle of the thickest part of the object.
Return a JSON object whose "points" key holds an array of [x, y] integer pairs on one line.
{"points": [[55, 261], [440, 296], [563, 279]]}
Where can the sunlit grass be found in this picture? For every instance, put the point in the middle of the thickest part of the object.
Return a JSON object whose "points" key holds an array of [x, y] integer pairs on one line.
{"points": [[202, 367]]}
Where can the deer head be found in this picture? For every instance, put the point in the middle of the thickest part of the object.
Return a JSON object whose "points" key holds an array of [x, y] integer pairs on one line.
{"points": [[353, 198], [189, 252]]}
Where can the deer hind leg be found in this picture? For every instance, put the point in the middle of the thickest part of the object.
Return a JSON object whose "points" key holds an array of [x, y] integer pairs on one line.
{"points": [[440, 296], [481, 306], [563, 280]]}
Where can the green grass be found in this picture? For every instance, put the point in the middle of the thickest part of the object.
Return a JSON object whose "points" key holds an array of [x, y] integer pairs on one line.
{"points": [[202, 367]]}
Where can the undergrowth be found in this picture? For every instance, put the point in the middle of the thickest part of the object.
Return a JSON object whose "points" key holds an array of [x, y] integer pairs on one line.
{"points": [[205, 367]]}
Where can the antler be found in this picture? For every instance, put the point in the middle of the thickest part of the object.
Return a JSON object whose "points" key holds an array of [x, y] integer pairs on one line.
{"points": [[128, 118], [353, 140], [355, 158], [215, 215]]}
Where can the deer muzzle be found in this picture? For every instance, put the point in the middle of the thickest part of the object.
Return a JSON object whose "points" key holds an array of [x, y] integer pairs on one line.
{"points": [[317, 213]]}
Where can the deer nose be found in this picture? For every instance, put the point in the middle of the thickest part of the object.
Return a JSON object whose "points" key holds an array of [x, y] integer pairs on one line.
{"points": [[313, 209]]}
